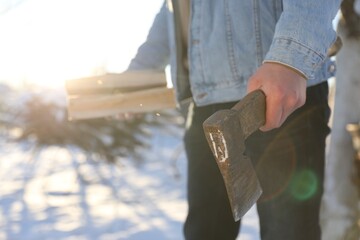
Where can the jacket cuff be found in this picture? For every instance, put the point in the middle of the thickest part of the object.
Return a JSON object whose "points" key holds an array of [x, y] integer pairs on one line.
{"points": [[288, 52]]}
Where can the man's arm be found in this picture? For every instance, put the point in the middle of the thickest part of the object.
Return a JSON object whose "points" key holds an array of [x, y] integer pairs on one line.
{"points": [[302, 37], [154, 53]]}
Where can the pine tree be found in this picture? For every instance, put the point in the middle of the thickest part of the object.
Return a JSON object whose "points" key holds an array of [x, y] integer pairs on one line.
{"points": [[44, 122]]}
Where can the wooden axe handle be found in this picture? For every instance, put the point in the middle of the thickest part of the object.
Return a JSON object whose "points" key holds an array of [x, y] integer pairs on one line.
{"points": [[251, 112]]}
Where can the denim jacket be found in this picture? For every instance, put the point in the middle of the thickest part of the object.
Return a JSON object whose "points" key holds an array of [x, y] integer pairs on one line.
{"points": [[230, 39]]}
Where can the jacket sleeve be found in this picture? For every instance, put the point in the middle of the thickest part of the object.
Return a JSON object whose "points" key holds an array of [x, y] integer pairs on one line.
{"points": [[153, 54], [303, 34]]}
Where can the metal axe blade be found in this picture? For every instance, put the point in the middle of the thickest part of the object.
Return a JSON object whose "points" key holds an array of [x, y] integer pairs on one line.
{"points": [[226, 132]]}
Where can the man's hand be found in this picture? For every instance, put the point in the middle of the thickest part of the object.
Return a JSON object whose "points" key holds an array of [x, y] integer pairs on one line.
{"points": [[285, 91]]}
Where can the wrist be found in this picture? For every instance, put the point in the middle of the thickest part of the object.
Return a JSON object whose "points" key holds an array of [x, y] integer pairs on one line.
{"points": [[293, 69]]}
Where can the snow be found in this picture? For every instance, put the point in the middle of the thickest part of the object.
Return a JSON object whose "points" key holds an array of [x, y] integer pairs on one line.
{"points": [[57, 193]]}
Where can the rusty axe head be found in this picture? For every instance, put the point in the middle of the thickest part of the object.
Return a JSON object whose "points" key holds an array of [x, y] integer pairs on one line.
{"points": [[226, 132]]}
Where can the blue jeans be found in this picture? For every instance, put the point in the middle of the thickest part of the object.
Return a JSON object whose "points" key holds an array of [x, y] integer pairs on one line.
{"points": [[290, 166]]}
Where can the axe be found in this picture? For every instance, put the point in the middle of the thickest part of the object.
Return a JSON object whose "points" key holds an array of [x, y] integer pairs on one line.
{"points": [[226, 131]]}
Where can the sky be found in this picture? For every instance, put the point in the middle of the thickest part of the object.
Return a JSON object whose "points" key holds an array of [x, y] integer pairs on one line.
{"points": [[49, 41]]}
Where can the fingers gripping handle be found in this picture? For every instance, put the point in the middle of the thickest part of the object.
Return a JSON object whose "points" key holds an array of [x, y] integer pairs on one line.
{"points": [[251, 112]]}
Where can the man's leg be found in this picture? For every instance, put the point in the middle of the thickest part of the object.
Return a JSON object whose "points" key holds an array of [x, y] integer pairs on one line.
{"points": [[209, 215], [290, 165]]}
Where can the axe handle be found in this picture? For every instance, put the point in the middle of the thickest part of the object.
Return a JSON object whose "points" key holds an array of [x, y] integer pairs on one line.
{"points": [[251, 112]]}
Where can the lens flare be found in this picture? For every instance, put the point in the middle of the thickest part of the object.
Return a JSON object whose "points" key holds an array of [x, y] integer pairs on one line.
{"points": [[304, 185]]}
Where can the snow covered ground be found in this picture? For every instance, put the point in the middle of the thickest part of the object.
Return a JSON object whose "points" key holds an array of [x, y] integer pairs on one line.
{"points": [[58, 194]]}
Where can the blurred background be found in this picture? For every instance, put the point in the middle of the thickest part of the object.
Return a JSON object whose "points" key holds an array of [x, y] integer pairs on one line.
{"points": [[91, 179], [46, 42]]}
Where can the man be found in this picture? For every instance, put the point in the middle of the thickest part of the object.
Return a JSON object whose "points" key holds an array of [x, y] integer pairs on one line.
{"points": [[219, 51]]}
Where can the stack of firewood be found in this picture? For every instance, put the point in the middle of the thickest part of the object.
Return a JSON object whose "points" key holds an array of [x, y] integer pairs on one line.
{"points": [[114, 93]]}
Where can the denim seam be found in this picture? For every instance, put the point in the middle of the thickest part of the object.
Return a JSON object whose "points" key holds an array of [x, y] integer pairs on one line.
{"points": [[259, 50], [229, 38], [197, 48]]}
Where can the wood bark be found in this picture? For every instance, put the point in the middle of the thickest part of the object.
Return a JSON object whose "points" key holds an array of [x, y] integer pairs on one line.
{"points": [[112, 94]]}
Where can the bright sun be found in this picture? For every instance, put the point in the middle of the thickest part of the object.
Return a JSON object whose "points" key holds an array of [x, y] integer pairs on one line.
{"points": [[49, 41]]}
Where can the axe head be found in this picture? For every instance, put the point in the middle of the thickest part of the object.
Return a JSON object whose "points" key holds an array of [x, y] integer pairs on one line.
{"points": [[226, 132]]}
